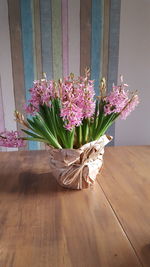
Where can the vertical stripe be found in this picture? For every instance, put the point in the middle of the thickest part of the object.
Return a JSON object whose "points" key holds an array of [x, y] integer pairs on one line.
{"points": [[102, 37], [2, 122], [64, 23], [46, 36], [37, 40], [85, 34], [46, 39], [27, 42], [16, 54], [34, 41], [113, 49], [6, 69], [74, 36], [36, 44], [96, 42], [105, 38], [56, 39]]}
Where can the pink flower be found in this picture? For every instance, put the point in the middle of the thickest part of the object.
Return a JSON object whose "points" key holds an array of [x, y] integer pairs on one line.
{"points": [[77, 101], [116, 100], [41, 93], [120, 101], [11, 139], [86, 100], [71, 114], [30, 109], [130, 107], [76, 95]]}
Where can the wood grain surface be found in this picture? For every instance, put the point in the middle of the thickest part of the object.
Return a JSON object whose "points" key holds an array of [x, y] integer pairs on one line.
{"points": [[43, 225], [126, 185]]}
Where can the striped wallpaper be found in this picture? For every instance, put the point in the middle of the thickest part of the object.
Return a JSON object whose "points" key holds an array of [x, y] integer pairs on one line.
{"points": [[56, 37]]}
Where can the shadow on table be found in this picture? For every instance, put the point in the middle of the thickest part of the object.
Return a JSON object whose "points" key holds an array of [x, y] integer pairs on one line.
{"points": [[145, 251], [31, 183]]}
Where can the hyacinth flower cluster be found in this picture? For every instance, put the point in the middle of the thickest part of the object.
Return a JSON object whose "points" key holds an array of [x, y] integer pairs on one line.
{"points": [[77, 101], [67, 114], [11, 139], [41, 93]]}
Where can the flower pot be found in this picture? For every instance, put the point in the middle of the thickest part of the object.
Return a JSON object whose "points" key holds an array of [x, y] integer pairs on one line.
{"points": [[78, 168]]}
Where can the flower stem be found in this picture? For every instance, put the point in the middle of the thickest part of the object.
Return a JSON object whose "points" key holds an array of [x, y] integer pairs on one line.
{"points": [[79, 135]]}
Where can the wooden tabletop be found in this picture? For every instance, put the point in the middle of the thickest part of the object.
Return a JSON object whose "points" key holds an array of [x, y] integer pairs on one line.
{"points": [[43, 225]]}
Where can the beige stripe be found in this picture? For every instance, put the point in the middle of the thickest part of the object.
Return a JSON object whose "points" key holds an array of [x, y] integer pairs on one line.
{"points": [[85, 35], [16, 54], [6, 69]]}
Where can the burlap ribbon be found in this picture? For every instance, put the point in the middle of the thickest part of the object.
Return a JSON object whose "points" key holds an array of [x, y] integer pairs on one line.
{"points": [[78, 168]]}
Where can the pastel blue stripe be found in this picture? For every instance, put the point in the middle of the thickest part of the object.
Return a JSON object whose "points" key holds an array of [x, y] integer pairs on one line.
{"points": [[114, 29], [96, 42], [46, 35], [27, 44]]}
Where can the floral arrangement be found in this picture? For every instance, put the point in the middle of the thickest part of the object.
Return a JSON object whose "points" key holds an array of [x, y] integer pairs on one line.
{"points": [[67, 114]]}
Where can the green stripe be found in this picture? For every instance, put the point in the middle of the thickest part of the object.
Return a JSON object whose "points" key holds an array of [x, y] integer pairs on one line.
{"points": [[56, 39]]}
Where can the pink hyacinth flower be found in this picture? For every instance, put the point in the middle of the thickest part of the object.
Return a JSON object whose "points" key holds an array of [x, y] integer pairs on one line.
{"points": [[41, 93], [130, 107], [77, 101], [30, 109], [116, 100], [11, 139]]}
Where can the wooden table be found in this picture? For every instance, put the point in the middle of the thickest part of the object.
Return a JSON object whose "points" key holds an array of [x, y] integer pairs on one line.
{"points": [[42, 225]]}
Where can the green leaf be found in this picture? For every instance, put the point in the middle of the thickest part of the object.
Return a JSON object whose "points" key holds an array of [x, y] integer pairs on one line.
{"points": [[32, 134], [46, 131], [49, 126], [85, 131], [70, 135], [46, 114], [101, 118], [33, 125], [109, 119], [63, 134], [93, 124], [40, 128], [79, 135]]}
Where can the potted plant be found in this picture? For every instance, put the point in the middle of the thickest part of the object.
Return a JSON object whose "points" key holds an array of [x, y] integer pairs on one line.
{"points": [[72, 122]]}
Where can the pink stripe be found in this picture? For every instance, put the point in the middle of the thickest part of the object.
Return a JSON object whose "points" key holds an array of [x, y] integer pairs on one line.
{"points": [[65, 36], [2, 122]]}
